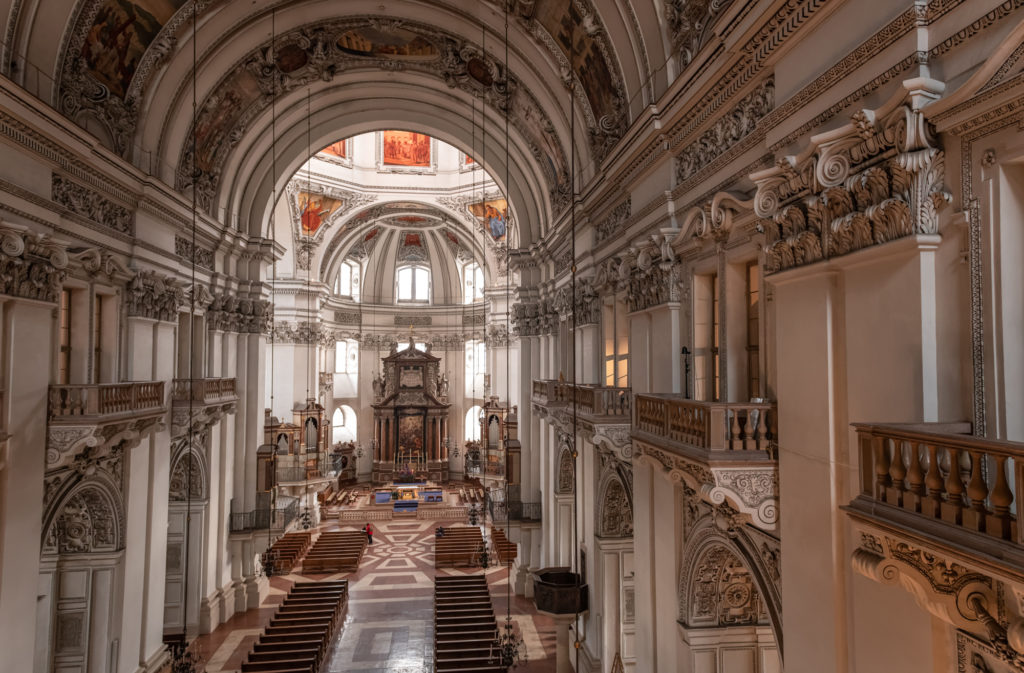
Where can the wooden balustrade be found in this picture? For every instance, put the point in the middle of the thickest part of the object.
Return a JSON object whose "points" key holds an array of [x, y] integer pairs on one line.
{"points": [[76, 402], [204, 391], [592, 400], [747, 427], [959, 479]]}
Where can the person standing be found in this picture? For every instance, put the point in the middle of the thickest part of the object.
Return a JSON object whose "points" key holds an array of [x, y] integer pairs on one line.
{"points": [[369, 533]]}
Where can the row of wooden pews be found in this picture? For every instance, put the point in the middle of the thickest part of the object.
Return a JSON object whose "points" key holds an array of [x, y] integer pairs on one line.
{"points": [[503, 549], [464, 625], [459, 546], [335, 552], [471, 495], [287, 549], [299, 634]]}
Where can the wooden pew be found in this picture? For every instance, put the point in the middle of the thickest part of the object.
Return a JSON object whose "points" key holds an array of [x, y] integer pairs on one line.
{"points": [[464, 625], [300, 632], [335, 551], [505, 550]]}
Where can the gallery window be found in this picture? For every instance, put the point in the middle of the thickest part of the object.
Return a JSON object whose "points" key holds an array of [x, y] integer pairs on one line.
{"points": [[616, 345], [476, 367], [473, 424], [421, 346], [64, 363], [346, 357], [413, 284], [472, 283], [753, 330], [347, 282], [343, 424]]}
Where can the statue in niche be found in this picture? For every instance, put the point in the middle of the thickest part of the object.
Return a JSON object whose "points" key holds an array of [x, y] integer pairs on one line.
{"points": [[443, 385], [378, 386]]}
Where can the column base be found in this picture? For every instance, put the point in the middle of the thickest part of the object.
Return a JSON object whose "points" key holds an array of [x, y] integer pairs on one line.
{"points": [[256, 589], [228, 604], [157, 660], [521, 580], [240, 598], [209, 612]]}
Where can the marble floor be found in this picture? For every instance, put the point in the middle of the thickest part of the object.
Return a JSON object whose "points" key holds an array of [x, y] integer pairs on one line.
{"points": [[389, 626]]}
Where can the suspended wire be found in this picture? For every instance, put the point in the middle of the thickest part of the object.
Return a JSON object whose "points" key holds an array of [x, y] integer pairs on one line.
{"points": [[191, 336], [575, 408], [508, 333], [273, 254]]}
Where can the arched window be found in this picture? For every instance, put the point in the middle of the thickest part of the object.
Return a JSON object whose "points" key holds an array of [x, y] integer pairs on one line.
{"points": [[476, 367], [473, 423], [472, 283], [343, 424], [413, 284], [421, 346], [347, 283], [346, 357]]}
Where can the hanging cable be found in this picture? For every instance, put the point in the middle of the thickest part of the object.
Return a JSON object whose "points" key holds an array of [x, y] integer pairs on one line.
{"points": [[575, 407], [184, 659], [273, 276]]}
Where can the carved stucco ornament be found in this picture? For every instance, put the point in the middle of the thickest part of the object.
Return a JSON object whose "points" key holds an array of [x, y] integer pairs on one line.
{"points": [[877, 179], [751, 493]]}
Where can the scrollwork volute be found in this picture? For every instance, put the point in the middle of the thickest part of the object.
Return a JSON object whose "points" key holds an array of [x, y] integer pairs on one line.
{"points": [[877, 179]]}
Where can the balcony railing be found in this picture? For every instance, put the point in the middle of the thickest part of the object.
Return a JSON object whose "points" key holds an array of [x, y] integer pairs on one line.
{"points": [[513, 511], [97, 402], [959, 480], [273, 519], [591, 399], [204, 391], [744, 429]]}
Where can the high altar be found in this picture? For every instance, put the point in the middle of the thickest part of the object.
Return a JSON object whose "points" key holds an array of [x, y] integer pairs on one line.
{"points": [[410, 418]]}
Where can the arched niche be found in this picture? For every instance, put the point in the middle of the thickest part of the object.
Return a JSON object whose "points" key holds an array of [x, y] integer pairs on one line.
{"points": [[88, 518], [728, 579], [615, 513], [189, 465], [566, 477]]}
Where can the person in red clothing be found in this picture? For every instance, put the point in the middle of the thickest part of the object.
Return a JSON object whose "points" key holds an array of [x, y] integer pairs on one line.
{"points": [[369, 533]]}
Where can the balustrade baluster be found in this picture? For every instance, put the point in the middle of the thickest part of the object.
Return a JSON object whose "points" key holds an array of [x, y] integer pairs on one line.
{"points": [[999, 522], [735, 431], [897, 471], [762, 429], [977, 492], [915, 479], [933, 482], [952, 508], [882, 465]]}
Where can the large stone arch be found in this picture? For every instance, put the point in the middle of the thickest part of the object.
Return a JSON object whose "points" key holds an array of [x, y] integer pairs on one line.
{"points": [[615, 507], [727, 578], [88, 517]]}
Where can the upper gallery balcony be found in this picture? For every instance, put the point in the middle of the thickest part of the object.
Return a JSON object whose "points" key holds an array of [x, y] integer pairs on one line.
{"points": [[95, 416], [726, 451], [210, 399], [937, 514], [597, 403]]}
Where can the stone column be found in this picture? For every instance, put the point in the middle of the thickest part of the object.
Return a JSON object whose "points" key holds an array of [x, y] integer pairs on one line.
{"points": [[30, 325], [563, 643]]}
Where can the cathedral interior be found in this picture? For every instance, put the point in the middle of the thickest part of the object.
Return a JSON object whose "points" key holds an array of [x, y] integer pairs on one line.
{"points": [[478, 336]]}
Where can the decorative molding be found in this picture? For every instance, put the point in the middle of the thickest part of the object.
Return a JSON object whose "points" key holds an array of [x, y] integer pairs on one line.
{"points": [[413, 320], [727, 132], [354, 318], [32, 266], [228, 313], [691, 23], [202, 256], [613, 223], [150, 295], [92, 205], [876, 179], [615, 518]]}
